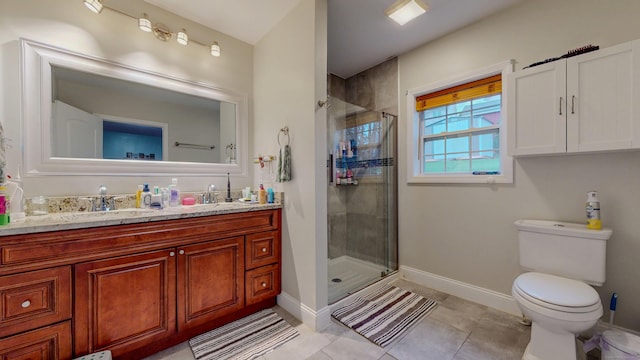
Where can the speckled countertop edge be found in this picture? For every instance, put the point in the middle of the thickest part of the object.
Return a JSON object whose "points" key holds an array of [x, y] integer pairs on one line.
{"points": [[70, 221]]}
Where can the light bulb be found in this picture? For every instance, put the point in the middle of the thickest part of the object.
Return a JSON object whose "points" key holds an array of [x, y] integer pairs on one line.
{"points": [[215, 49], [182, 37], [144, 23], [93, 5]]}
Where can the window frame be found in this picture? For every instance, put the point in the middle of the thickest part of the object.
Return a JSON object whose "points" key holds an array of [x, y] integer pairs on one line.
{"points": [[414, 174]]}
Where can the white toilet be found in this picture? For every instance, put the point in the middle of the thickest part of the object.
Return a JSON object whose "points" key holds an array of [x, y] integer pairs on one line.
{"points": [[563, 258]]}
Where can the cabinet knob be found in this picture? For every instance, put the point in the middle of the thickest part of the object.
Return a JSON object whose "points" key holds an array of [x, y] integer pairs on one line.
{"points": [[25, 304], [181, 252], [264, 249], [264, 284], [172, 254]]}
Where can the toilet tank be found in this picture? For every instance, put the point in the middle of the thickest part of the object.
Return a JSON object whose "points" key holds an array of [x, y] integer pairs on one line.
{"points": [[564, 249]]}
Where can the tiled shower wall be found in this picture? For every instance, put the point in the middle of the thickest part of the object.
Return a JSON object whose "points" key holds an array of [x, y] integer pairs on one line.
{"points": [[357, 225]]}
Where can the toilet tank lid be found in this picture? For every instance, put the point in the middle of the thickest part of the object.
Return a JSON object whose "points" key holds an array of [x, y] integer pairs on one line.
{"points": [[624, 341], [563, 228]]}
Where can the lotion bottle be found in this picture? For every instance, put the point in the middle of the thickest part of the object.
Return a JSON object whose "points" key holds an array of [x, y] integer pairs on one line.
{"points": [[262, 195], [174, 193], [593, 211]]}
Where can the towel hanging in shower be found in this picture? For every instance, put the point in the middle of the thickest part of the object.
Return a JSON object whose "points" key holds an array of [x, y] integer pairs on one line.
{"points": [[284, 158]]}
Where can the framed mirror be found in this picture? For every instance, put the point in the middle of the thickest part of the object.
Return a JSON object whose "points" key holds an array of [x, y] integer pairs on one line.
{"points": [[84, 115]]}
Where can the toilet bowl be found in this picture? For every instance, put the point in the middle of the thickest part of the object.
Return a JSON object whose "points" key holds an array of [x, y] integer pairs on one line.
{"points": [[562, 260], [559, 308]]}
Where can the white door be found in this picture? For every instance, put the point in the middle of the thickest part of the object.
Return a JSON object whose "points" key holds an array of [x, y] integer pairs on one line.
{"points": [[600, 87], [536, 110], [76, 133]]}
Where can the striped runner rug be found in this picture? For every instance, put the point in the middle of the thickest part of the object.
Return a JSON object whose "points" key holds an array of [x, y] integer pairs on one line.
{"points": [[246, 338], [385, 314]]}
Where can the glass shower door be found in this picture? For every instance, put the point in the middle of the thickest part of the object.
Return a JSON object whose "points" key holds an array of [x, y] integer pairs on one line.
{"points": [[362, 195]]}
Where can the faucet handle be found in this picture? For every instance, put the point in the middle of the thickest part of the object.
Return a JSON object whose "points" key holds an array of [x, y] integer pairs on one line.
{"points": [[211, 188], [102, 190]]}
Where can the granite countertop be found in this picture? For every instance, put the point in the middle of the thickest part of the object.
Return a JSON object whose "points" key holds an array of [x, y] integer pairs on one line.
{"points": [[81, 220]]}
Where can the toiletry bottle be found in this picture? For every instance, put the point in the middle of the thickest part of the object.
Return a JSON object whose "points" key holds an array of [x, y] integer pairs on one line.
{"points": [[174, 193], [270, 196], [262, 195], [139, 197], [146, 196], [593, 211]]}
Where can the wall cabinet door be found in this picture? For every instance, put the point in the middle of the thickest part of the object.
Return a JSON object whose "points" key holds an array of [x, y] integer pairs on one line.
{"points": [[210, 281], [601, 88], [581, 104], [536, 110], [125, 303]]}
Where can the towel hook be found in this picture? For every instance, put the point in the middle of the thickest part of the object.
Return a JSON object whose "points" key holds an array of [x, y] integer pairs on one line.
{"points": [[284, 130]]}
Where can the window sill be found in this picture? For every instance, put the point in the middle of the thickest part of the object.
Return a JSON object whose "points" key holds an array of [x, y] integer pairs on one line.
{"points": [[460, 179]]}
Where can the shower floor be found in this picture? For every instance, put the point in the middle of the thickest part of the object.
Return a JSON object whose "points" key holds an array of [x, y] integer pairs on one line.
{"points": [[348, 275]]}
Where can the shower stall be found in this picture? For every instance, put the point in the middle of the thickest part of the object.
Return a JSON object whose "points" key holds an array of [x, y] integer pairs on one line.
{"points": [[362, 197]]}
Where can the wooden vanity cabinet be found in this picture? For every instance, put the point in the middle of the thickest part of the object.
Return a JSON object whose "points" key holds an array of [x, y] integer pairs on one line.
{"points": [[137, 288]]}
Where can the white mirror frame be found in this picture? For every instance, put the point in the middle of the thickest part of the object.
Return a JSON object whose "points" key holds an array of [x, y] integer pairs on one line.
{"points": [[36, 62]]}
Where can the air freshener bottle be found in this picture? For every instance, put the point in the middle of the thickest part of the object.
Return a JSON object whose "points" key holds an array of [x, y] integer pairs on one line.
{"points": [[593, 211]]}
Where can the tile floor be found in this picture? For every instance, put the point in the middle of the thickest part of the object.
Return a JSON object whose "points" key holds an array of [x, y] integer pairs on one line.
{"points": [[456, 329]]}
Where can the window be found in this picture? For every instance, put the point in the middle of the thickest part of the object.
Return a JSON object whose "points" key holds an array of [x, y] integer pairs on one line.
{"points": [[458, 130]]}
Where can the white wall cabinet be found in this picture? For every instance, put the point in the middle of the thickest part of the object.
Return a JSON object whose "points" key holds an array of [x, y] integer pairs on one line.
{"points": [[589, 102]]}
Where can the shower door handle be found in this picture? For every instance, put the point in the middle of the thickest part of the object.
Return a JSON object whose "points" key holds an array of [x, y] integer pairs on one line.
{"points": [[330, 166]]}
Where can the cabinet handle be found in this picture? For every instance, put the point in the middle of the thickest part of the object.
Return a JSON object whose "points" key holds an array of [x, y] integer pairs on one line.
{"points": [[172, 254], [560, 110], [181, 252], [25, 304], [573, 102], [264, 249], [264, 284]]}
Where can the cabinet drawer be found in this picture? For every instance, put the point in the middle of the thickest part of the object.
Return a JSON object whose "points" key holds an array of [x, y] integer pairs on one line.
{"points": [[262, 283], [262, 249], [34, 299], [48, 343]]}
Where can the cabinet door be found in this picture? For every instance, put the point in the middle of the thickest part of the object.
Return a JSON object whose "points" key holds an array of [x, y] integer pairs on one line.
{"points": [[47, 343], [536, 110], [210, 281], [125, 303], [600, 94]]}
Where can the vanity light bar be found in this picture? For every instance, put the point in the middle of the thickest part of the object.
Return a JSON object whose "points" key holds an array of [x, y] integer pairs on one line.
{"points": [[160, 31]]}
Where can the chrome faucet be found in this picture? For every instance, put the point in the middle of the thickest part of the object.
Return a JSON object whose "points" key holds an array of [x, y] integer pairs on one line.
{"points": [[209, 197], [101, 205]]}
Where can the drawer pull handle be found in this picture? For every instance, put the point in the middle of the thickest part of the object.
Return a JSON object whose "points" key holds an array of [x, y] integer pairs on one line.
{"points": [[172, 254], [264, 249], [264, 284], [26, 304], [181, 252]]}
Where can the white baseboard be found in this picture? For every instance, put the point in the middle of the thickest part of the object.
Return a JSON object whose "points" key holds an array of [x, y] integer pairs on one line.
{"points": [[316, 320], [462, 290], [321, 319]]}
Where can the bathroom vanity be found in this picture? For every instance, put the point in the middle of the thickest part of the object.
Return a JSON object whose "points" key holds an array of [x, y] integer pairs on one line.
{"points": [[137, 284]]}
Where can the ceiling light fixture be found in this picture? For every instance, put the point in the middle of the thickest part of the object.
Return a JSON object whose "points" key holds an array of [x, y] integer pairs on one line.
{"points": [[144, 23], [403, 11], [215, 49], [93, 5], [160, 31], [182, 38]]}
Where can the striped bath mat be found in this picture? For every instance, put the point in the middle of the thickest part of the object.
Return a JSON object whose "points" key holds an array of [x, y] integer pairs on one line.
{"points": [[247, 338], [385, 314]]}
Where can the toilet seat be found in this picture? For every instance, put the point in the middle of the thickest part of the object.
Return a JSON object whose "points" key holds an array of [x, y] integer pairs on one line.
{"points": [[557, 293]]}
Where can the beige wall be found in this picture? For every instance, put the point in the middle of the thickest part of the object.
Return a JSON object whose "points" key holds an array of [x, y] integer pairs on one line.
{"points": [[68, 24], [466, 232], [289, 60]]}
